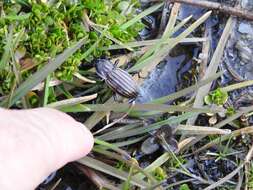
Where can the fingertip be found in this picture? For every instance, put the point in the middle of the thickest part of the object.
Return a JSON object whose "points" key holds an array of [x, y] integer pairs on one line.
{"points": [[68, 139], [83, 142], [88, 139]]}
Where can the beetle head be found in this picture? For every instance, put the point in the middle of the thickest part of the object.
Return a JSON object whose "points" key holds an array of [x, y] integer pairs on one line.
{"points": [[103, 67]]}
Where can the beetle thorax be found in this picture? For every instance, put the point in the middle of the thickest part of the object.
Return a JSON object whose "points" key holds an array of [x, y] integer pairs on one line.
{"points": [[103, 67]]}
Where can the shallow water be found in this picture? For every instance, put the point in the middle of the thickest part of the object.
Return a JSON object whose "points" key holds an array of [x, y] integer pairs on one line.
{"points": [[237, 60], [163, 80]]}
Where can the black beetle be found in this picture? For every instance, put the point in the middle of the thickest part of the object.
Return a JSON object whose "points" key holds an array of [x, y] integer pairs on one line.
{"points": [[116, 78]]}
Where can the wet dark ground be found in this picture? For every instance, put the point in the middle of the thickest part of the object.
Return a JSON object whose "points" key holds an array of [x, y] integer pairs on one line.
{"points": [[175, 73], [70, 178]]}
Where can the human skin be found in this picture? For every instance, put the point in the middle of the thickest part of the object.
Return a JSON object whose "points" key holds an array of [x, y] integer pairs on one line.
{"points": [[36, 142]]}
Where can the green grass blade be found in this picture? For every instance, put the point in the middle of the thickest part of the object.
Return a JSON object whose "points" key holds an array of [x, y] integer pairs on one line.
{"points": [[129, 142], [161, 54], [95, 45], [224, 122], [151, 43], [7, 48], [110, 37], [181, 24], [186, 91], [105, 168], [71, 101], [46, 91], [111, 146], [176, 95], [96, 117], [140, 16], [237, 86], [40, 75], [124, 107], [119, 130], [164, 40], [157, 163], [172, 20], [74, 108], [234, 134], [12, 43], [166, 35], [128, 162], [127, 184], [154, 126], [16, 17]]}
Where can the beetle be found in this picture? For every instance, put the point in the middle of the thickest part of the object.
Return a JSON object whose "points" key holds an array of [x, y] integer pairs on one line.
{"points": [[116, 78]]}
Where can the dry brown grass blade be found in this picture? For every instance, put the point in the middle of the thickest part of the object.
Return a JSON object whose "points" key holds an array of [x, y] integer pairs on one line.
{"points": [[100, 166], [71, 101], [200, 130], [226, 121], [212, 68], [96, 117], [184, 142], [99, 180], [249, 155], [41, 85], [84, 79], [247, 166], [42, 73], [246, 130], [240, 180]]}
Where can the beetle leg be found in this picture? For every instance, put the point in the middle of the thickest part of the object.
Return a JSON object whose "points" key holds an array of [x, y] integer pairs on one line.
{"points": [[116, 64], [132, 101], [116, 121], [141, 77], [117, 98], [139, 74], [130, 121], [114, 97], [108, 117]]}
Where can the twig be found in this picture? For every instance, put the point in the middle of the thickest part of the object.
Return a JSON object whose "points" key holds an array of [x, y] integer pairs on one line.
{"points": [[219, 7]]}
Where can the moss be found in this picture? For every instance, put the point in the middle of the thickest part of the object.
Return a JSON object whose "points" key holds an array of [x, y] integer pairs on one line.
{"points": [[217, 97], [49, 29]]}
